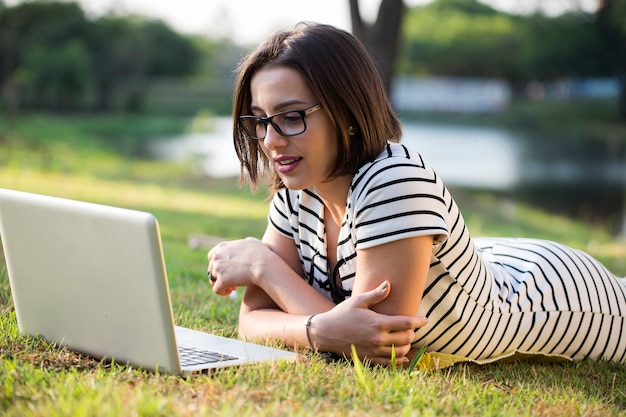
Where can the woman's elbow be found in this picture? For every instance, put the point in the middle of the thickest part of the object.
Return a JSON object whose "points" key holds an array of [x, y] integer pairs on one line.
{"points": [[244, 328]]}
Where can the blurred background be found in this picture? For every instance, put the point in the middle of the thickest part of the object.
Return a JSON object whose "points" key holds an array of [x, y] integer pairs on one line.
{"points": [[522, 99]]}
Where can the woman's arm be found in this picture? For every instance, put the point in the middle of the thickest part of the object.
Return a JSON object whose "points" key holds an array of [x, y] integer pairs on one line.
{"points": [[260, 319], [355, 321], [351, 323], [271, 265], [405, 264], [277, 303]]}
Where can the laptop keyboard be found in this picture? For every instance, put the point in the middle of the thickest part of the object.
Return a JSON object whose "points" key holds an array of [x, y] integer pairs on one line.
{"points": [[193, 356]]}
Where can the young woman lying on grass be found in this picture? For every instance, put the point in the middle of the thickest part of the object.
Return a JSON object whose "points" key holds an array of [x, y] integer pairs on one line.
{"points": [[365, 246]]}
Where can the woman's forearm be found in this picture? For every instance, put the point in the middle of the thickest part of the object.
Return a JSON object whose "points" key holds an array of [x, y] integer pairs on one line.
{"points": [[289, 291], [253, 264], [273, 325], [261, 319], [336, 330]]}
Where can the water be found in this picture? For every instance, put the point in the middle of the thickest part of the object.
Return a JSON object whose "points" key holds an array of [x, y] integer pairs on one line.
{"points": [[561, 173], [467, 157], [211, 153]]}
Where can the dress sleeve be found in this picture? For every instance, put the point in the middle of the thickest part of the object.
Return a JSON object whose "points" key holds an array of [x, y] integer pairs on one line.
{"points": [[400, 199], [279, 213]]}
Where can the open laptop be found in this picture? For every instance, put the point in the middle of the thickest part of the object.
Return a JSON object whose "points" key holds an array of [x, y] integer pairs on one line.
{"points": [[93, 278]]}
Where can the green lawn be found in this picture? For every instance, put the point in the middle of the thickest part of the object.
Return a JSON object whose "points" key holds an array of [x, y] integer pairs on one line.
{"points": [[37, 379]]}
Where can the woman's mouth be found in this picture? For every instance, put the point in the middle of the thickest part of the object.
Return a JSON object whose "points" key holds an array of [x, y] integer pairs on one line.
{"points": [[286, 165]]}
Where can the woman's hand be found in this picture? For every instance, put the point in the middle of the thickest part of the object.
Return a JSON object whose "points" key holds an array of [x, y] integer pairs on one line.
{"points": [[374, 335], [237, 263]]}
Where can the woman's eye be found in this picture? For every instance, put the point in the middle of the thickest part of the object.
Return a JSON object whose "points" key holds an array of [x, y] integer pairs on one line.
{"points": [[291, 118]]}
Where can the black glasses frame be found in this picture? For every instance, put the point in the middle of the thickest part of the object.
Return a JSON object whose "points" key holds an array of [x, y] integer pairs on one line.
{"points": [[270, 119]]}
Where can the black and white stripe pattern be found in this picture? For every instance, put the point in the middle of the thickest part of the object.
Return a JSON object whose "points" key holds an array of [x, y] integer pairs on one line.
{"points": [[485, 298]]}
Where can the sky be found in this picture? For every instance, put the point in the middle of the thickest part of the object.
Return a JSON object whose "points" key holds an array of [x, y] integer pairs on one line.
{"points": [[250, 21]]}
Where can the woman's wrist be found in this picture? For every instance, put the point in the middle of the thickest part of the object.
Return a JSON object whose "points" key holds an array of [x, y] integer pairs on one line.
{"points": [[267, 267], [307, 326]]}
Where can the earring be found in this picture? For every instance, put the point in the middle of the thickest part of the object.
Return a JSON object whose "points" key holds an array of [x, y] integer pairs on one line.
{"points": [[352, 131]]}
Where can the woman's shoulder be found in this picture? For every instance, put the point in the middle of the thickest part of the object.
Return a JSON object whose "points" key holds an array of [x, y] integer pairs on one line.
{"points": [[396, 161], [397, 156]]}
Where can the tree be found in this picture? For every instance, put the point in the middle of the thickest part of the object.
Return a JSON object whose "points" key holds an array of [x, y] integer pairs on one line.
{"points": [[460, 38], [382, 37], [28, 26], [108, 42], [129, 50], [563, 46], [57, 79], [610, 18], [469, 39], [52, 56]]}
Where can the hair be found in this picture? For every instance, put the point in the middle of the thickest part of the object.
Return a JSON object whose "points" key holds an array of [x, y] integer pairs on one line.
{"points": [[342, 75]]}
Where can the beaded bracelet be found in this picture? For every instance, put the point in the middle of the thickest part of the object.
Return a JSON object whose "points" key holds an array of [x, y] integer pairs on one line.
{"points": [[307, 325]]}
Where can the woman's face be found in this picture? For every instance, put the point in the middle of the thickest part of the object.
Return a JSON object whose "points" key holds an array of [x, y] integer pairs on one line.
{"points": [[304, 160]]}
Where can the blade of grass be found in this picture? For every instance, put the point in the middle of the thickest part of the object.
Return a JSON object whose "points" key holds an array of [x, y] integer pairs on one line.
{"points": [[417, 357], [359, 370]]}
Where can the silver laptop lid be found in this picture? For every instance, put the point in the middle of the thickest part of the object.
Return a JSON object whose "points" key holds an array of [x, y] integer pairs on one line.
{"points": [[86, 276]]}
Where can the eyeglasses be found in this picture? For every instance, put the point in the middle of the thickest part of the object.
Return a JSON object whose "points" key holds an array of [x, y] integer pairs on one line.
{"points": [[286, 123]]}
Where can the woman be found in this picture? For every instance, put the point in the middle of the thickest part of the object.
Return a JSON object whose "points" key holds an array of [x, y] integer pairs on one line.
{"points": [[365, 246]]}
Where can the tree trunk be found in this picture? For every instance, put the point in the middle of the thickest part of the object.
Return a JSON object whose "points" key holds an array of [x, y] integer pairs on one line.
{"points": [[382, 37]]}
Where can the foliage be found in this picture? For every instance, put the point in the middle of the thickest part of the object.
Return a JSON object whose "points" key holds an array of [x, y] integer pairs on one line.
{"points": [[610, 23], [467, 38], [130, 51], [469, 8], [445, 41], [41, 43], [55, 78], [544, 54], [55, 56]]}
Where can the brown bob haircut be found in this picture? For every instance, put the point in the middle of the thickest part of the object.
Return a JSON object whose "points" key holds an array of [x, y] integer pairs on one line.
{"points": [[342, 75]]}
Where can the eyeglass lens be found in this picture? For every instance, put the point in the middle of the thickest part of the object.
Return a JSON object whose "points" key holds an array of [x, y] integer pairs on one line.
{"points": [[289, 123]]}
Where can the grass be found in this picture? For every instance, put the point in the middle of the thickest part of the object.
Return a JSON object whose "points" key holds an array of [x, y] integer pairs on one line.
{"points": [[38, 379]]}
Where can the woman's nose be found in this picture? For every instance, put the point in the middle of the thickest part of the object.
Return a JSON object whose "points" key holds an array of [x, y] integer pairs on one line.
{"points": [[273, 139]]}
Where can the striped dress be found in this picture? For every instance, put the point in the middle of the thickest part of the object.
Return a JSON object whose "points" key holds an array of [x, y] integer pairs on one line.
{"points": [[486, 298]]}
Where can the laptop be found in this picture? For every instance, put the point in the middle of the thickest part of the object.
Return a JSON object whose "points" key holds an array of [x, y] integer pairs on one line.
{"points": [[92, 278]]}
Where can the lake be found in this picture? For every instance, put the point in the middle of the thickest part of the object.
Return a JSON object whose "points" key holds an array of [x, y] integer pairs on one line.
{"points": [[560, 173]]}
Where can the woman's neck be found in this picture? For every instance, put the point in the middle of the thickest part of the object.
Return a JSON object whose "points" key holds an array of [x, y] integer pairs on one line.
{"points": [[334, 194]]}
